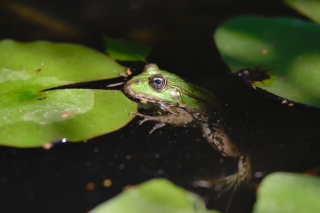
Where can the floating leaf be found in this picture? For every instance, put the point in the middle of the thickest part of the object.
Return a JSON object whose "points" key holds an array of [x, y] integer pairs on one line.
{"points": [[126, 50], [310, 8], [288, 192], [31, 117], [156, 196], [288, 49]]}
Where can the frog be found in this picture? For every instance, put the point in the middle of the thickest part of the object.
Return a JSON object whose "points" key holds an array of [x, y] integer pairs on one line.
{"points": [[168, 99]]}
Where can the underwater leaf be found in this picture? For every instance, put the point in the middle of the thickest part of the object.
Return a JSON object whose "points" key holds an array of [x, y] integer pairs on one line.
{"points": [[288, 192], [282, 55], [156, 196], [126, 50], [31, 117], [309, 8]]}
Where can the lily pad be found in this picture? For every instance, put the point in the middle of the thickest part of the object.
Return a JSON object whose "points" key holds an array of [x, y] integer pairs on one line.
{"points": [[126, 50], [288, 192], [156, 196], [309, 8], [31, 117], [288, 49]]}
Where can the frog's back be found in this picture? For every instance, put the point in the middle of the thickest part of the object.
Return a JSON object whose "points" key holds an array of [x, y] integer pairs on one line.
{"points": [[197, 97], [192, 95]]}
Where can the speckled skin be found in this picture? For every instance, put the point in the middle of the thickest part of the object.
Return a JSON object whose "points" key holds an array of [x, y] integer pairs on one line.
{"points": [[180, 103]]}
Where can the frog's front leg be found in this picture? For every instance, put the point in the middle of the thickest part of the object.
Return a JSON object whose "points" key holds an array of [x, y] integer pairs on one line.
{"points": [[176, 116], [216, 136], [150, 118]]}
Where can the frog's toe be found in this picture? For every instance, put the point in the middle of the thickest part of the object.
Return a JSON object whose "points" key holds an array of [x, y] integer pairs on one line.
{"points": [[138, 114], [243, 176], [143, 120], [244, 169]]}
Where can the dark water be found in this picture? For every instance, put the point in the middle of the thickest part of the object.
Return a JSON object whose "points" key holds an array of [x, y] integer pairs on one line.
{"points": [[180, 32]]}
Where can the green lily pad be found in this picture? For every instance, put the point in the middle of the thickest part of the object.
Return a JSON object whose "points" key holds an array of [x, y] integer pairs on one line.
{"points": [[309, 8], [288, 192], [31, 117], [287, 48], [126, 50], [156, 196]]}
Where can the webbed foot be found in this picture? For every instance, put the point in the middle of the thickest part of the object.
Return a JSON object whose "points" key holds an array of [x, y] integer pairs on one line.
{"points": [[233, 182], [243, 175]]}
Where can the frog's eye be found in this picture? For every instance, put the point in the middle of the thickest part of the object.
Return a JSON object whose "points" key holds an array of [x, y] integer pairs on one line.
{"points": [[158, 82]]}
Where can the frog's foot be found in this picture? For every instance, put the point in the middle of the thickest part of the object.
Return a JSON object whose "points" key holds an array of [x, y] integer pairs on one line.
{"points": [[145, 117], [243, 175], [149, 118]]}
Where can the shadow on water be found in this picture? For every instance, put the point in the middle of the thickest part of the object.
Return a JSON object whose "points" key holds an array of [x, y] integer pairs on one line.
{"points": [[279, 138]]}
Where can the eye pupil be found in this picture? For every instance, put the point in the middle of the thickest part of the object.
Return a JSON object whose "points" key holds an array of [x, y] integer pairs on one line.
{"points": [[158, 82]]}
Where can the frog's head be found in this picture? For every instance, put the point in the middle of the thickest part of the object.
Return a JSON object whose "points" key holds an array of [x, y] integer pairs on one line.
{"points": [[155, 85]]}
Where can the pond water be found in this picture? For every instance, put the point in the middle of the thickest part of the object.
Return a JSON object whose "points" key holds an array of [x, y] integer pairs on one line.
{"points": [[278, 138]]}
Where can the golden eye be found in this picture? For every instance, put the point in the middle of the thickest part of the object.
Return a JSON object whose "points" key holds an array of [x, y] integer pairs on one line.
{"points": [[158, 82]]}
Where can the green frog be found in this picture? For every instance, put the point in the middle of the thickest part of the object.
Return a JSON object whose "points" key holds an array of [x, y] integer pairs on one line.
{"points": [[169, 99]]}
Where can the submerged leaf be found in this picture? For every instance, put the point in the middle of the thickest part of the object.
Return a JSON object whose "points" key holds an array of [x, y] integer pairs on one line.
{"points": [[31, 117], [288, 192], [126, 50], [310, 8], [156, 196], [286, 50]]}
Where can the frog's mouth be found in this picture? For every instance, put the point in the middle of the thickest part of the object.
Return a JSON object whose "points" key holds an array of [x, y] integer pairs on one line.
{"points": [[144, 98], [140, 97]]}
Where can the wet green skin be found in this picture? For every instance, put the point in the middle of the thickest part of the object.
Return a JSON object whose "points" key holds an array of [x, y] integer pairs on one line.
{"points": [[180, 103], [189, 95]]}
